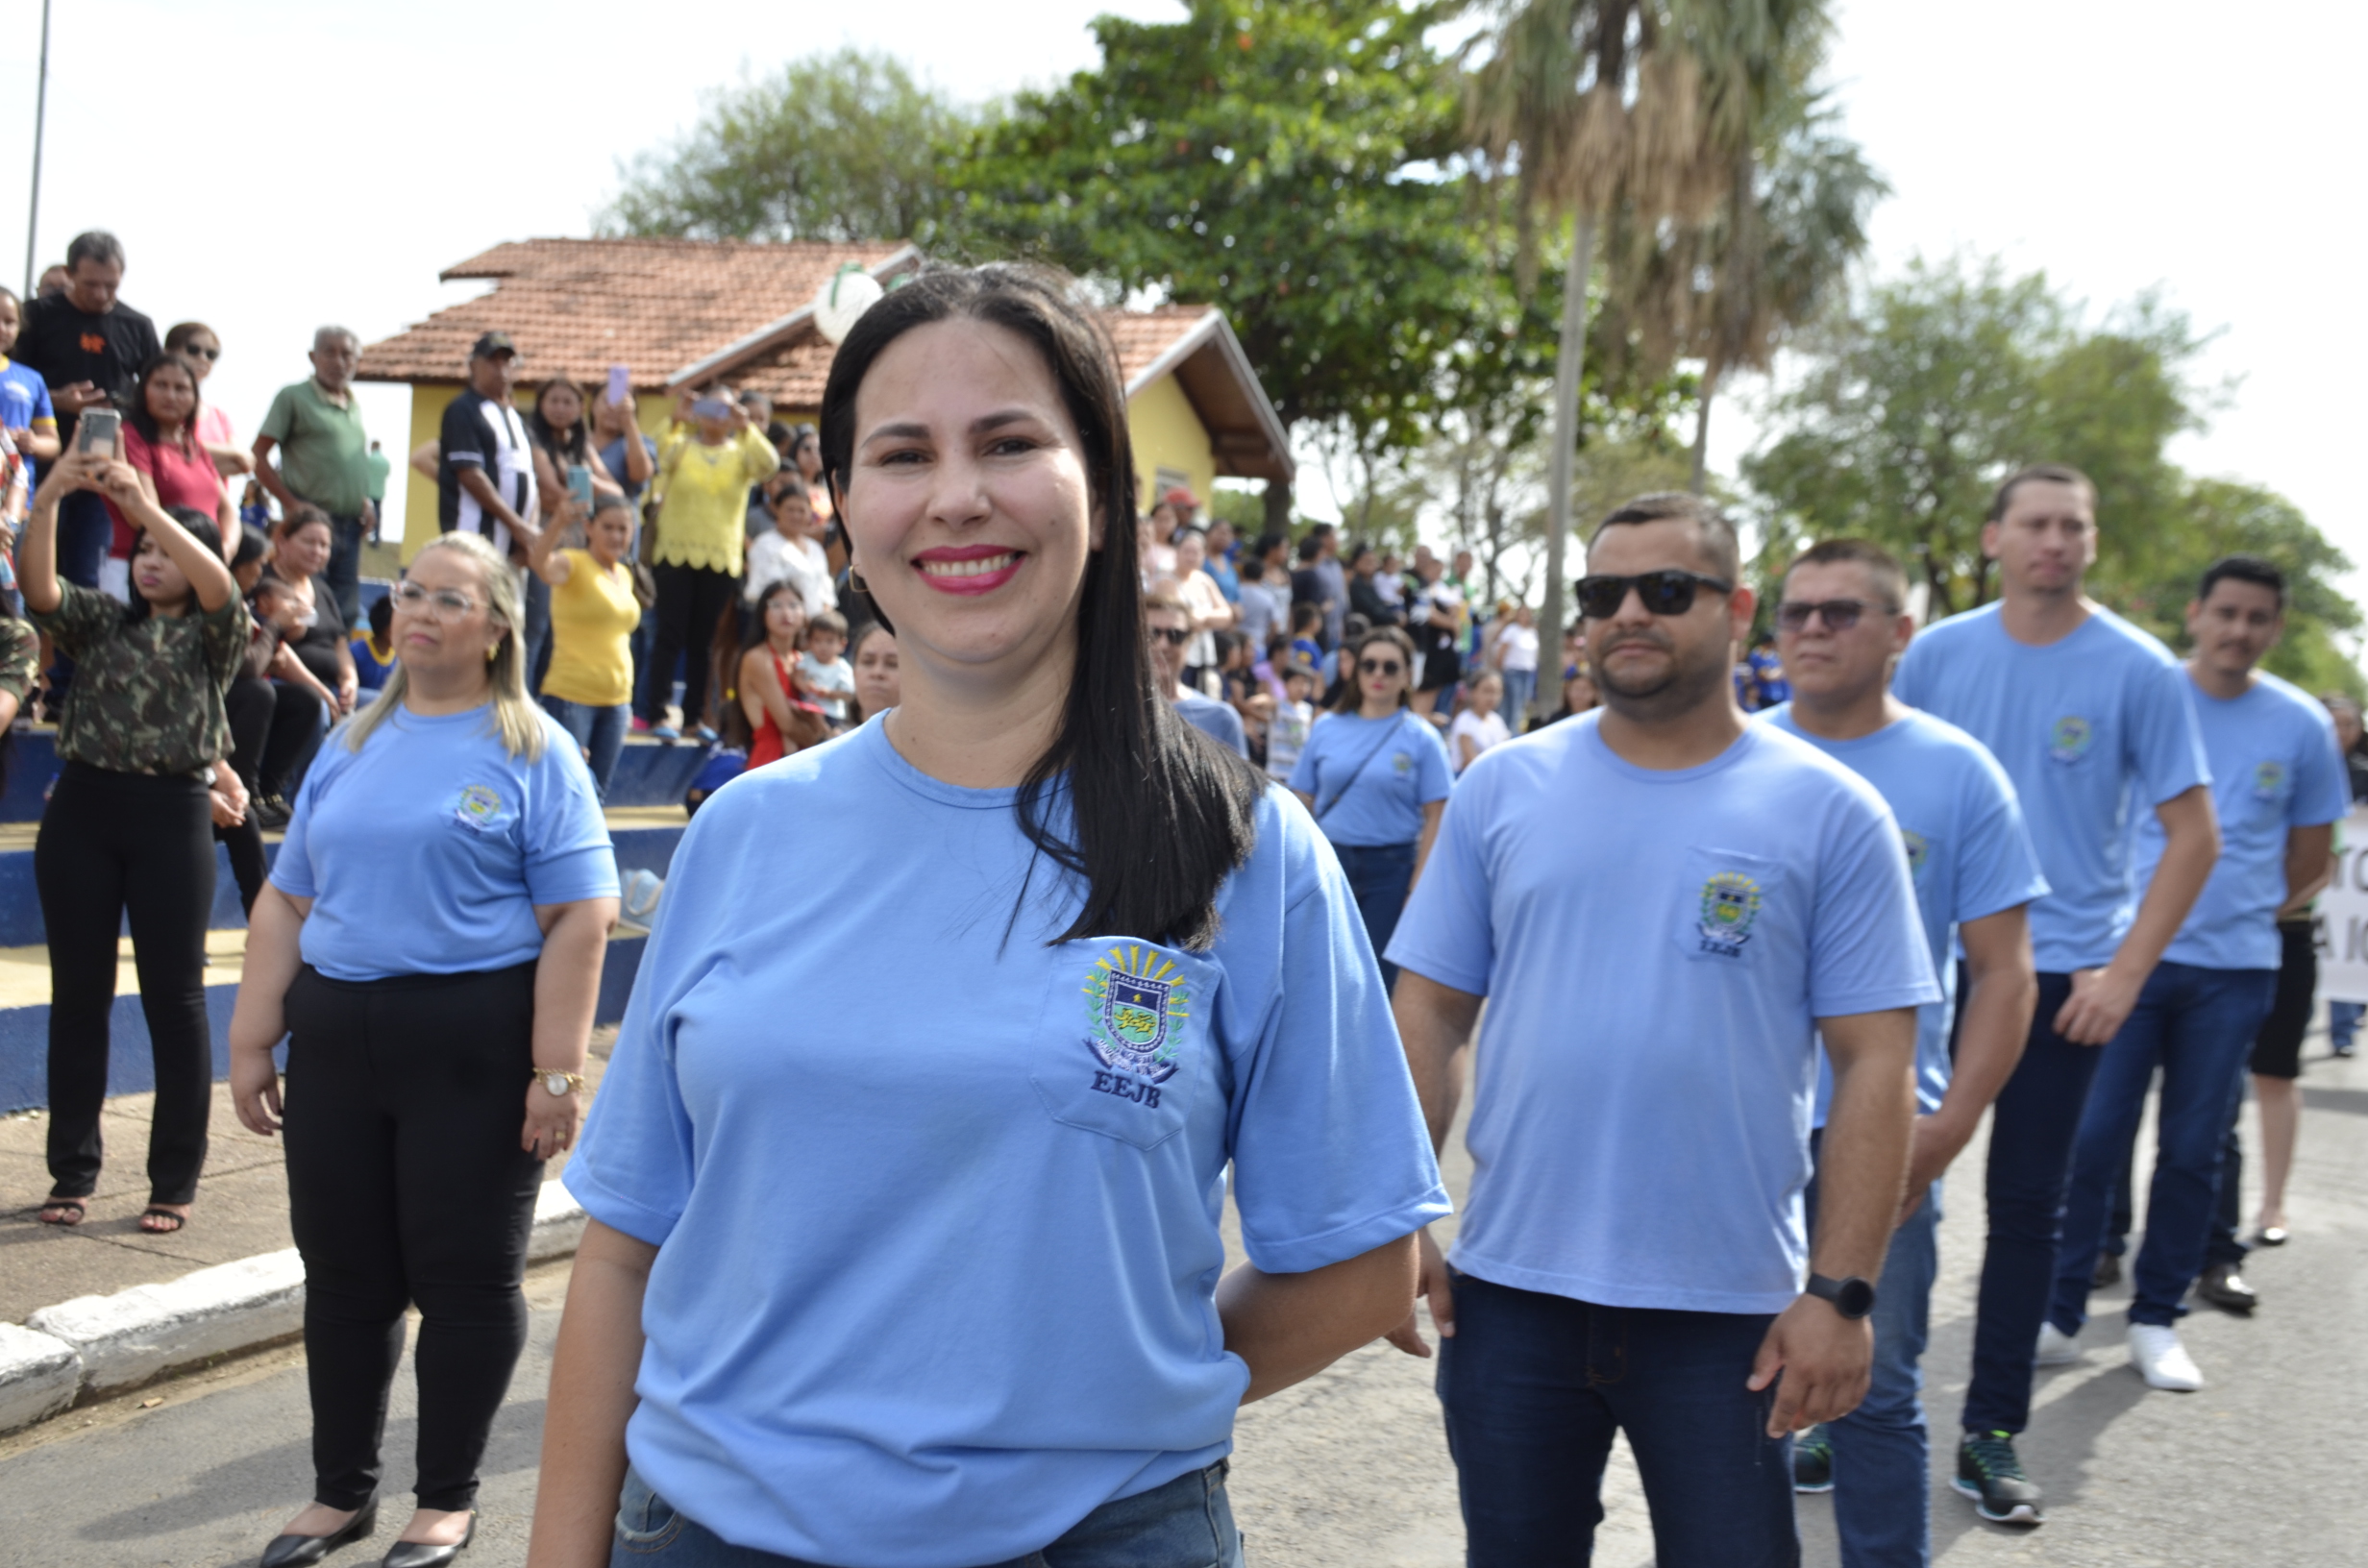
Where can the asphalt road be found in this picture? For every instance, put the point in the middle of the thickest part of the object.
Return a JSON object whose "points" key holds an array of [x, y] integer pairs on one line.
{"points": [[2262, 1467]]}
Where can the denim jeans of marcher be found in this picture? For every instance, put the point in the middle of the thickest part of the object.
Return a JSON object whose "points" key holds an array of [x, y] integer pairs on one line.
{"points": [[1882, 1450], [2033, 1125], [1187, 1523], [1535, 1387], [2197, 1027], [1378, 876], [598, 731]]}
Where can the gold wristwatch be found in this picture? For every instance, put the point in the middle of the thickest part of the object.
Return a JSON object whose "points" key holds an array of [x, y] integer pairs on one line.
{"points": [[559, 1084]]}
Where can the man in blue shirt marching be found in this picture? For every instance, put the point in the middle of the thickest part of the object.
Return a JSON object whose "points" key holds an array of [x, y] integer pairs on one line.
{"points": [[2279, 787], [1841, 623], [2090, 719], [1664, 905]]}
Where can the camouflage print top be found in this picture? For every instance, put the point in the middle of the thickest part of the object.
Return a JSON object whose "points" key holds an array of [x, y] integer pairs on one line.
{"points": [[20, 659], [147, 694]]}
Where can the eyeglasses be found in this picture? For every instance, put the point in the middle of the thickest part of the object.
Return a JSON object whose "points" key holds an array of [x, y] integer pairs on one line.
{"points": [[411, 595], [1380, 667], [1838, 614], [1175, 636], [209, 356], [1663, 593]]}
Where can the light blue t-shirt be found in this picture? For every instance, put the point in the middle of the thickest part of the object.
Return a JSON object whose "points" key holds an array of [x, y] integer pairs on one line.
{"points": [[1654, 948], [2274, 767], [1968, 854], [936, 1202], [2093, 728], [426, 852], [1214, 719], [1371, 777]]}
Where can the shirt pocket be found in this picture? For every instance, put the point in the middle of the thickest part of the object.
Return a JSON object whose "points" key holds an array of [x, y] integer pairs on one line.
{"points": [[1726, 900], [1124, 1037]]}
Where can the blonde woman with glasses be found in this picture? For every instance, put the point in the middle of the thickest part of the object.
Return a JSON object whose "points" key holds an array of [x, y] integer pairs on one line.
{"points": [[429, 945]]}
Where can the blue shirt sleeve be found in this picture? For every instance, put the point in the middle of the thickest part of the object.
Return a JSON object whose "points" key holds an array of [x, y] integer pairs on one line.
{"points": [[1331, 1156], [1434, 776], [2323, 789], [1866, 949], [2166, 743], [1311, 751], [1998, 866], [568, 853], [1444, 934], [291, 870]]}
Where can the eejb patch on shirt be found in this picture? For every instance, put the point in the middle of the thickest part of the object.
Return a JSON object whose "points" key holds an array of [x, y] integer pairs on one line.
{"points": [[1727, 903], [2069, 739], [481, 808], [1127, 1024]]}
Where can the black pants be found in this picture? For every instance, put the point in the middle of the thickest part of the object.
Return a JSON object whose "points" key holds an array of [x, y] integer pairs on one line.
{"points": [[272, 726], [405, 1098], [111, 844], [690, 600]]}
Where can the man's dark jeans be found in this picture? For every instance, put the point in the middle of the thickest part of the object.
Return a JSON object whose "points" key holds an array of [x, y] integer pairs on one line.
{"points": [[2032, 1131], [2197, 1025], [1534, 1387]]}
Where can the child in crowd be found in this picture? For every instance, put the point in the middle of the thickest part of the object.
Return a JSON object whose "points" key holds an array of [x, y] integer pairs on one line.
{"points": [[1306, 622], [824, 674], [1390, 582], [1294, 715], [374, 648], [1479, 725]]}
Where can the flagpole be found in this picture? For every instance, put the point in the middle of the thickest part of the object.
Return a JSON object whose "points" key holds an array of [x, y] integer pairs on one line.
{"points": [[40, 114]]}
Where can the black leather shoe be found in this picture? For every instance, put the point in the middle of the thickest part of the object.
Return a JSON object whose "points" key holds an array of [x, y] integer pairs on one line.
{"points": [[290, 1551], [2225, 1288], [2108, 1271], [420, 1555]]}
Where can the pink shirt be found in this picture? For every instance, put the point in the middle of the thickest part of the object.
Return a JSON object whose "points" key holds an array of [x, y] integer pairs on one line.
{"points": [[182, 478]]}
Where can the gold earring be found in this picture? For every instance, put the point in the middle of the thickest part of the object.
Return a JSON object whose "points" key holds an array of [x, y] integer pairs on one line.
{"points": [[494, 652]]}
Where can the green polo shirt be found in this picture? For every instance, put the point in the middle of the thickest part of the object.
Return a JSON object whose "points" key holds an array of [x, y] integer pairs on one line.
{"points": [[324, 453]]}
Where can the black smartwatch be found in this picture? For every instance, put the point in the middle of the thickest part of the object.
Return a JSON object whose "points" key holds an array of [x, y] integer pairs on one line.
{"points": [[1854, 1298]]}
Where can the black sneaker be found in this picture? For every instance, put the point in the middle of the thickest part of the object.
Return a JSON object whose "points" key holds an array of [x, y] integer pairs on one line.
{"points": [[272, 813], [1812, 1461], [2108, 1271], [1989, 1472]]}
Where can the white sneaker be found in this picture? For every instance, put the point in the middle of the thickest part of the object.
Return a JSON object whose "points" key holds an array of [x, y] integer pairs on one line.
{"points": [[2056, 1348], [2161, 1359]]}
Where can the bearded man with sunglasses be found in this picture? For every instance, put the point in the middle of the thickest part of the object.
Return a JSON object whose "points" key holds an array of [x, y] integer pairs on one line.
{"points": [[1664, 905], [1840, 624]]}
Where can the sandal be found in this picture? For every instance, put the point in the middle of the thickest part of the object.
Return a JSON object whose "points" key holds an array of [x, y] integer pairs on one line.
{"points": [[158, 1211], [60, 1206]]}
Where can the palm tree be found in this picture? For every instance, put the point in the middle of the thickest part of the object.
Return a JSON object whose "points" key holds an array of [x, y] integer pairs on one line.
{"points": [[1640, 108]]}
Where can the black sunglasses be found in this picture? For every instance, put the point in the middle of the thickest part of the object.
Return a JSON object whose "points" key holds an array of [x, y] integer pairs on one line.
{"points": [[1380, 667], [1838, 614], [1178, 636], [1663, 593], [209, 356]]}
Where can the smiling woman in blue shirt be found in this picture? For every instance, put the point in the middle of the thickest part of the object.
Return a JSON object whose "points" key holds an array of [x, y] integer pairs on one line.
{"points": [[906, 1178]]}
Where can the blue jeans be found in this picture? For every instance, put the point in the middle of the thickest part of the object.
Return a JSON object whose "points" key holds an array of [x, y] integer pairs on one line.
{"points": [[598, 731], [1534, 1387], [2197, 1025], [2033, 1126], [2342, 1020], [1188, 1522], [1520, 687], [1379, 875]]}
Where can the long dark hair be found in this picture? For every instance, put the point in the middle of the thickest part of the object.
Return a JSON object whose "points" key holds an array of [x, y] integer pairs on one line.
{"points": [[141, 420], [1349, 696], [1159, 815], [574, 443], [732, 719], [201, 529]]}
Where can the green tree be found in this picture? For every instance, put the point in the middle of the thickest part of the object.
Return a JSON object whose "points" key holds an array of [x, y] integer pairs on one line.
{"points": [[1289, 161], [1635, 110], [846, 146]]}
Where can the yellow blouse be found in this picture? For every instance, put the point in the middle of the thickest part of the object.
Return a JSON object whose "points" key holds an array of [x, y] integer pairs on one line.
{"points": [[704, 520]]}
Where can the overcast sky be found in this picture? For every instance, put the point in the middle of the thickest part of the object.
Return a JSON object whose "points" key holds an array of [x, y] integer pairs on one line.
{"points": [[272, 164]]}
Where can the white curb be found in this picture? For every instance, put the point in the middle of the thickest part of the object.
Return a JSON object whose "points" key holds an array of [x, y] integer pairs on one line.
{"points": [[102, 1342], [38, 1375]]}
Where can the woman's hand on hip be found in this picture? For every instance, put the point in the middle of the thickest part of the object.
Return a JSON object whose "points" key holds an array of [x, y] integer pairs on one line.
{"points": [[255, 1088], [550, 1120]]}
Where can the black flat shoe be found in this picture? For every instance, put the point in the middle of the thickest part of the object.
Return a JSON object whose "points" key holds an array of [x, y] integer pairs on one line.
{"points": [[422, 1555], [290, 1551]]}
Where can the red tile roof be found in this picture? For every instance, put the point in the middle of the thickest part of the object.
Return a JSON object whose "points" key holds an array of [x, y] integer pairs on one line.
{"points": [[579, 306]]}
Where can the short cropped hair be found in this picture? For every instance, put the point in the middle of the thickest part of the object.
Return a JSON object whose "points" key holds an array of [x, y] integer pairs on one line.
{"points": [[1714, 533], [2044, 472], [829, 621], [94, 245], [2242, 569], [1890, 576]]}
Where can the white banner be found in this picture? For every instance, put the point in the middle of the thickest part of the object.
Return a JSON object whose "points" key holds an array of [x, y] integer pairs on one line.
{"points": [[2343, 916]]}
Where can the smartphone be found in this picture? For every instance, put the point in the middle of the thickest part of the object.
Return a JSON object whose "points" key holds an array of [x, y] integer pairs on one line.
{"points": [[97, 429], [580, 483], [620, 385], [711, 408]]}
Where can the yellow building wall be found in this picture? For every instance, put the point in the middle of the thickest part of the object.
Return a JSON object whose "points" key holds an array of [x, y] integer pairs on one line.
{"points": [[1168, 435]]}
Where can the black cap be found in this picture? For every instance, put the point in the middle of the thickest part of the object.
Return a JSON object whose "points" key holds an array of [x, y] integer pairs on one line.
{"points": [[491, 344]]}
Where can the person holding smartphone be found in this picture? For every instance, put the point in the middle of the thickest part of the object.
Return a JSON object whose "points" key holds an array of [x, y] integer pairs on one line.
{"points": [[709, 459]]}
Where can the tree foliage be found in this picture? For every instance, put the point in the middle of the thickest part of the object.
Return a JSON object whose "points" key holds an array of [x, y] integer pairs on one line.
{"points": [[844, 146]]}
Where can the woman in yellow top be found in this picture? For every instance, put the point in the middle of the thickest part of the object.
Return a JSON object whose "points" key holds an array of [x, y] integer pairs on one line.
{"points": [[710, 459], [593, 614]]}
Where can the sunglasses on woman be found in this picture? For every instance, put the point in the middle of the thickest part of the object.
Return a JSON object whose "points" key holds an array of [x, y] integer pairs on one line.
{"points": [[1662, 593], [1174, 636], [1380, 667]]}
